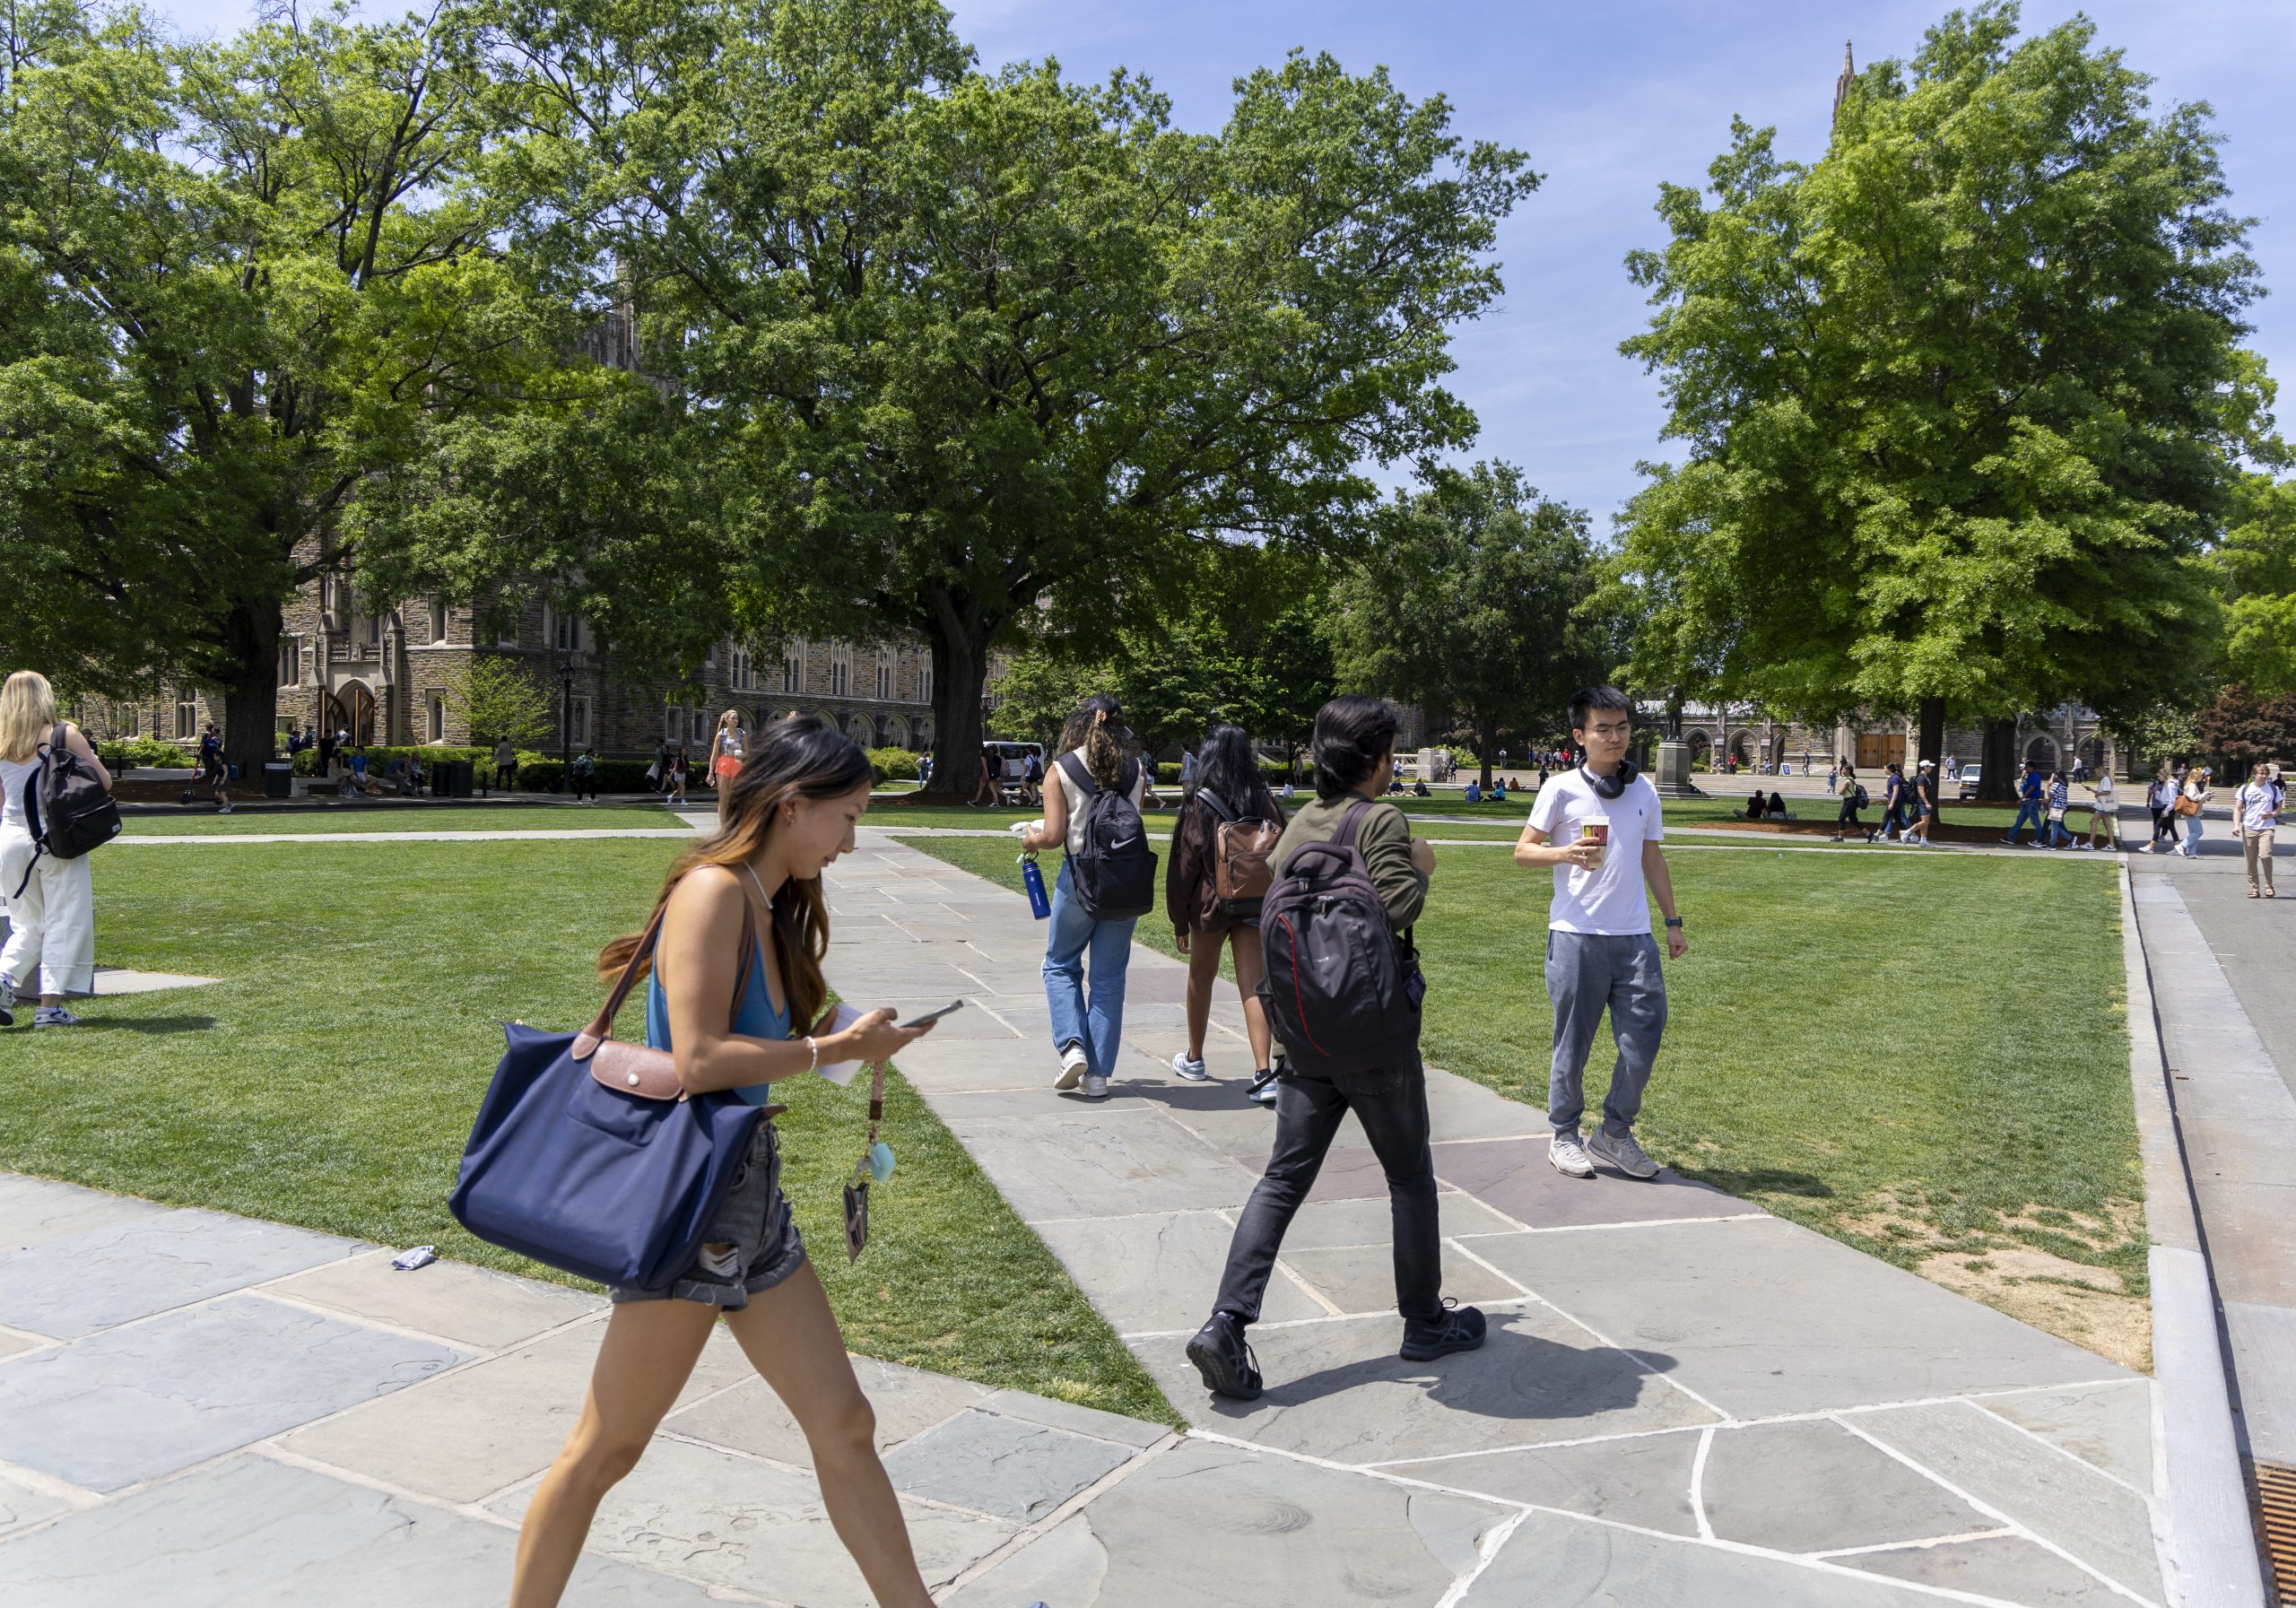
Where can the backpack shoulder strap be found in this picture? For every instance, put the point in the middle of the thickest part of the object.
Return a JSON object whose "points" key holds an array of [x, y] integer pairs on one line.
{"points": [[1349, 830], [1081, 776], [1212, 802]]}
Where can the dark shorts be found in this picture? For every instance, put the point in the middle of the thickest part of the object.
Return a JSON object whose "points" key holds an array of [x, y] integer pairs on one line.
{"points": [[755, 1223]]}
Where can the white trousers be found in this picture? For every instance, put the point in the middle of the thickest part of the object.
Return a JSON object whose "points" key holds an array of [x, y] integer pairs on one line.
{"points": [[51, 924]]}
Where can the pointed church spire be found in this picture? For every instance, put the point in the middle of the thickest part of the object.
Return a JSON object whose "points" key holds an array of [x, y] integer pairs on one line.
{"points": [[1841, 84]]}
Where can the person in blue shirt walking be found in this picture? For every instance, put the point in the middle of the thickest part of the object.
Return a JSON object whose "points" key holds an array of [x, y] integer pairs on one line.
{"points": [[791, 811], [2029, 806]]}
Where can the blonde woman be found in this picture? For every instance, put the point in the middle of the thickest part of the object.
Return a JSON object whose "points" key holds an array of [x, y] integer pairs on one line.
{"points": [[51, 902], [2196, 790], [726, 750]]}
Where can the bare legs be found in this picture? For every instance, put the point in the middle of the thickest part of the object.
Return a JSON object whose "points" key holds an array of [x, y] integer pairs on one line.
{"points": [[650, 1350], [1204, 971]]}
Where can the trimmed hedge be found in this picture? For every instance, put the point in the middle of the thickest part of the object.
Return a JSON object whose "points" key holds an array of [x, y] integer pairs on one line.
{"points": [[123, 753], [892, 765]]}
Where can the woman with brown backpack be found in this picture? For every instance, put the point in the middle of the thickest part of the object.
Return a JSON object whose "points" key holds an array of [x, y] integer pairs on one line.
{"points": [[1213, 881]]}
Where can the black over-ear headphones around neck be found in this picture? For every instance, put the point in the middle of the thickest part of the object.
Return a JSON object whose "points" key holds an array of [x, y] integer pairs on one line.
{"points": [[1610, 787]]}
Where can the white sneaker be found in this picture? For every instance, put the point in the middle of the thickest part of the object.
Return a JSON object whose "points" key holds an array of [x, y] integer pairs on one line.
{"points": [[1192, 1070], [1569, 1157], [1096, 1087], [1622, 1153], [1073, 1066]]}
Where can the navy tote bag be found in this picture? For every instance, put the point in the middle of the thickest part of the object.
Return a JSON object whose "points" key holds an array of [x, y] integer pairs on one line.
{"points": [[587, 1156]]}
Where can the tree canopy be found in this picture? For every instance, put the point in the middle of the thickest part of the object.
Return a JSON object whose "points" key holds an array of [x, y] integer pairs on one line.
{"points": [[954, 345], [1962, 402], [236, 279], [1469, 603]]}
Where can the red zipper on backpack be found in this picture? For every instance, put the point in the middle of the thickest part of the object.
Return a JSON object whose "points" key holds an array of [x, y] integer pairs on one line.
{"points": [[1296, 993]]}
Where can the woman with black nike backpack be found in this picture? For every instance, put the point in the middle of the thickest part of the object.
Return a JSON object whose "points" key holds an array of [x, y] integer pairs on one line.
{"points": [[1107, 884], [1226, 791]]}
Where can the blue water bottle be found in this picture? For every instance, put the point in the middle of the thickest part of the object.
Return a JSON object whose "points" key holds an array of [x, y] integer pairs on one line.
{"points": [[1040, 904]]}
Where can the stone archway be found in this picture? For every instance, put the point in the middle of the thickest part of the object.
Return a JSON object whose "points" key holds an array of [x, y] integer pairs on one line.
{"points": [[350, 708], [1701, 748], [2092, 751], [893, 732], [2040, 753], [1741, 749], [858, 728]]}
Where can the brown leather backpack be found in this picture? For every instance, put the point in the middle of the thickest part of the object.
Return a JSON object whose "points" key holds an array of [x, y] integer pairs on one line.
{"points": [[1237, 857]]}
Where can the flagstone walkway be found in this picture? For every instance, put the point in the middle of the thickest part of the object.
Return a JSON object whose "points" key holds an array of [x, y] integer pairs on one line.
{"points": [[1683, 1400]]}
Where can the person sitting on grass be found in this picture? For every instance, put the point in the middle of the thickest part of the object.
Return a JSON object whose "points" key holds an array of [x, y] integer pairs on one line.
{"points": [[1777, 809], [1473, 793], [1756, 804], [1499, 791], [1419, 788]]}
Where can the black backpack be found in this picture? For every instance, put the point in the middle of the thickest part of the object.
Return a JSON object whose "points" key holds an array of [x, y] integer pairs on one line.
{"points": [[1114, 875], [66, 809], [1343, 989]]}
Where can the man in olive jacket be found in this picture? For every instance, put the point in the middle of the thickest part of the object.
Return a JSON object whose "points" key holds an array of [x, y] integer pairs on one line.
{"points": [[1355, 749]]}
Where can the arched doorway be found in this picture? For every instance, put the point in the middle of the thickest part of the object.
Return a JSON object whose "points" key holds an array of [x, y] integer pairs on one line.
{"points": [[1701, 748], [1740, 746], [858, 728], [2040, 753], [350, 708], [2092, 751]]}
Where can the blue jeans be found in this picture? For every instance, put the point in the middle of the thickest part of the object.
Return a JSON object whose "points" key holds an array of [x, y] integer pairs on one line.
{"points": [[1097, 1024], [2030, 810], [2191, 850], [2059, 835]]}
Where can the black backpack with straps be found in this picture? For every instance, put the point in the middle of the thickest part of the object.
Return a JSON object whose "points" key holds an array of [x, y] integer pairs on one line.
{"points": [[1114, 875], [1342, 989], [67, 810]]}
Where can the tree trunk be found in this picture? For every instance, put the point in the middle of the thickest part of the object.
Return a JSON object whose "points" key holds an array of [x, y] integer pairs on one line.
{"points": [[251, 695], [1483, 739], [1932, 742], [1995, 782], [960, 635]]}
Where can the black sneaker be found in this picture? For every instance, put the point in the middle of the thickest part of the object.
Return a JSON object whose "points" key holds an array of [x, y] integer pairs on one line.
{"points": [[1459, 1329], [1225, 1362]]}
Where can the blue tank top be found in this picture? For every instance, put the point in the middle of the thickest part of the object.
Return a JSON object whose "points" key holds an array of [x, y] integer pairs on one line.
{"points": [[758, 1020]]}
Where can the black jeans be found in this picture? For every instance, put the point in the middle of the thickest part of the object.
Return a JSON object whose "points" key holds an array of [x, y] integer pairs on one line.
{"points": [[1391, 1103]]}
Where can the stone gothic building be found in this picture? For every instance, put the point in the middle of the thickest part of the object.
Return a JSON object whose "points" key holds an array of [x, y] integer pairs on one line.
{"points": [[382, 675], [1756, 740]]}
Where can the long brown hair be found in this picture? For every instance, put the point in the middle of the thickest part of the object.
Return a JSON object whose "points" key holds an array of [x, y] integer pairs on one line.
{"points": [[1103, 740], [801, 757]]}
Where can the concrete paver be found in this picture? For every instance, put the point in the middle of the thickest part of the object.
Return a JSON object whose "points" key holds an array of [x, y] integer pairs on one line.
{"points": [[76, 1283], [1814, 1487], [1009, 1466]]}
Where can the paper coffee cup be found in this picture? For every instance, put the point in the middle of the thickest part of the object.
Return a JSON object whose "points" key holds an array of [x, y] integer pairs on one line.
{"points": [[1598, 833]]}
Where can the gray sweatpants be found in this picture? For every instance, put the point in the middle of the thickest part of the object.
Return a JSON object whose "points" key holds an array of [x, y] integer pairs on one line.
{"points": [[1586, 973]]}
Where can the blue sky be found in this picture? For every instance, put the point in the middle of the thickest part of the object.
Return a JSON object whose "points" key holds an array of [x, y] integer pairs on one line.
{"points": [[1608, 101]]}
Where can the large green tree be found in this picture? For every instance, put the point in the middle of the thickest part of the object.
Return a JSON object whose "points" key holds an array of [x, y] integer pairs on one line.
{"points": [[1961, 402], [2258, 558], [967, 345], [236, 279], [1469, 603]]}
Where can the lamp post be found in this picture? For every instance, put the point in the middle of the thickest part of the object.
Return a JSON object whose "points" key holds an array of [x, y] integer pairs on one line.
{"points": [[565, 717]]}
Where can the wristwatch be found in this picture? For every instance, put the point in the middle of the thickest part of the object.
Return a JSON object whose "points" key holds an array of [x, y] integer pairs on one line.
{"points": [[1673, 921]]}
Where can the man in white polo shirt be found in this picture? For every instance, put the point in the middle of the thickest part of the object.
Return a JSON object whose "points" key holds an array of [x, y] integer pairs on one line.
{"points": [[1599, 828]]}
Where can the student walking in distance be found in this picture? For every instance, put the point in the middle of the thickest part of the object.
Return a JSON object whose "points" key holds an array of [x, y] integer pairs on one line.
{"points": [[2193, 799], [1599, 829], [51, 901], [2029, 807], [1098, 783], [2159, 799], [1853, 799], [2255, 812], [793, 806], [2060, 802], [1226, 791], [506, 764], [1354, 750], [1925, 802], [2104, 815], [725, 748], [215, 771]]}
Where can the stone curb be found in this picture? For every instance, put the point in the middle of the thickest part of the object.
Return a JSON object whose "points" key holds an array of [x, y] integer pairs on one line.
{"points": [[2208, 1557]]}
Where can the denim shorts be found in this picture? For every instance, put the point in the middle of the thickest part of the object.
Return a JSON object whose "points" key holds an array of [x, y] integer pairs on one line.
{"points": [[754, 1224]]}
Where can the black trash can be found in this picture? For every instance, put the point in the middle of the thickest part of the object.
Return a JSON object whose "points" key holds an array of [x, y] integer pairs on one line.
{"points": [[279, 779], [451, 779]]}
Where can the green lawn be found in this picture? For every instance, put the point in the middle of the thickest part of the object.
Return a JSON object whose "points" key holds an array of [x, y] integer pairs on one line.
{"points": [[404, 818], [1923, 1056], [329, 1081]]}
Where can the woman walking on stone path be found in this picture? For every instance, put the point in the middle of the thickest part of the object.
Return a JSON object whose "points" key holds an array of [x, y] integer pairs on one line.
{"points": [[1227, 789], [726, 746], [1087, 1028], [2196, 792], [51, 901], [792, 812], [2256, 818]]}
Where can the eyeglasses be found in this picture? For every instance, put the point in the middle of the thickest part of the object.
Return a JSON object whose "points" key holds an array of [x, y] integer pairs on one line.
{"points": [[1619, 730]]}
